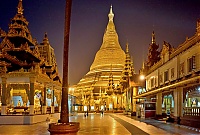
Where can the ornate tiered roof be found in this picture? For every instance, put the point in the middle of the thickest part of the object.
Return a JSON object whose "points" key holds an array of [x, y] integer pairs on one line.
{"points": [[18, 50]]}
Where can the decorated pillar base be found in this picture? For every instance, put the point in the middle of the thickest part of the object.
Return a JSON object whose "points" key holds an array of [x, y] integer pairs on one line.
{"points": [[52, 109], [44, 109], [3, 110], [31, 110], [70, 128]]}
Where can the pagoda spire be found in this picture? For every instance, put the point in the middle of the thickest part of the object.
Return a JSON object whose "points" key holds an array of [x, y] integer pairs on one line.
{"points": [[153, 38], [110, 44], [20, 8], [19, 27], [111, 15], [142, 71], [154, 54], [143, 64]]}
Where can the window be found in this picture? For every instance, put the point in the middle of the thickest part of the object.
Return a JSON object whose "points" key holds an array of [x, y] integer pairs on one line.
{"points": [[191, 64], [166, 76], [197, 61], [182, 68], [152, 82], [172, 73], [161, 78], [150, 106]]}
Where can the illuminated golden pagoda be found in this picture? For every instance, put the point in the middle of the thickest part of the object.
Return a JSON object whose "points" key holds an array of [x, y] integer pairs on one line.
{"points": [[109, 57]]}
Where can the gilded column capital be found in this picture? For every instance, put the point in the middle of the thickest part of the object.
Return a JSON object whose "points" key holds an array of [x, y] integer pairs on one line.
{"points": [[4, 79], [45, 84], [32, 79]]}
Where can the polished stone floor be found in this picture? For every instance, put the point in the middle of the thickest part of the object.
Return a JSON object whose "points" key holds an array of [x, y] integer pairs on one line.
{"points": [[106, 124]]}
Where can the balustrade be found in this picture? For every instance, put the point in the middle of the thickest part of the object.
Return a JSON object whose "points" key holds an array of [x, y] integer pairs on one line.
{"points": [[191, 111]]}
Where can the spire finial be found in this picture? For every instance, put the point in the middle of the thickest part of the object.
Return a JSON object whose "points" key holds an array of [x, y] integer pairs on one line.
{"points": [[143, 65], [127, 49], [45, 40], [45, 35], [153, 38], [20, 7], [111, 15]]}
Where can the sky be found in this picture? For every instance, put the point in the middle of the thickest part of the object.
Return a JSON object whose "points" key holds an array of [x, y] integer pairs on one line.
{"points": [[172, 21]]}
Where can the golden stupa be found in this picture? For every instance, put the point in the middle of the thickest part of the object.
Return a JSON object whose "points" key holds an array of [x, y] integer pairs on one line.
{"points": [[109, 60]]}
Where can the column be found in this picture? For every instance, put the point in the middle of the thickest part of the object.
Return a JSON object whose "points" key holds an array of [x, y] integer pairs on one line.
{"points": [[115, 102], [135, 90], [31, 95], [52, 103], [44, 103], [178, 103], [159, 104], [131, 99], [124, 101], [0, 93], [59, 102], [127, 101], [4, 96]]}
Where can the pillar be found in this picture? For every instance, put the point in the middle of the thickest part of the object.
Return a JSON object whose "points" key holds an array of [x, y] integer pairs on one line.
{"points": [[120, 101], [178, 103], [115, 102], [52, 103], [159, 104], [44, 103], [0, 93], [4, 96], [59, 102], [127, 101], [124, 100], [131, 99], [135, 90], [31, 95]]}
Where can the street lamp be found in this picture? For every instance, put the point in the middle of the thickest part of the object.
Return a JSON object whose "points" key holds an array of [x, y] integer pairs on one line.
{"points": [[64, 126]]}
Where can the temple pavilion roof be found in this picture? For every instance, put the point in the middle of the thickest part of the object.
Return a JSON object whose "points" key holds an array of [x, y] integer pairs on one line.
{"points": [[18, 50]]}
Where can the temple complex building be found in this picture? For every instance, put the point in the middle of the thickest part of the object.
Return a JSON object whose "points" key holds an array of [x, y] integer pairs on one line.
{"points": [[29, 79], [172, 82]]}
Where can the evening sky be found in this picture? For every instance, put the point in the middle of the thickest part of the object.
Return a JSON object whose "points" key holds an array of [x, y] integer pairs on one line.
{"points": [[172, 21]]}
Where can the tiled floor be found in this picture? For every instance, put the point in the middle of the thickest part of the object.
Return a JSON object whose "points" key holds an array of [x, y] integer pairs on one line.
{"points": [[98, 124], [107, 124]]}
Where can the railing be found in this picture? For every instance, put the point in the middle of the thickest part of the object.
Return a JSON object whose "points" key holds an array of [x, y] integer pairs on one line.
{"points": [[191, 111]]}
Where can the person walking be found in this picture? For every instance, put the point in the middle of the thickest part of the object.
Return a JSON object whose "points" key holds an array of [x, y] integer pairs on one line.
{"points": [[102, 111]]}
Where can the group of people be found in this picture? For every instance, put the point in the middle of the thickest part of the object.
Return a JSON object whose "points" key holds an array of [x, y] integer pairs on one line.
{"points": [[86, 112]]}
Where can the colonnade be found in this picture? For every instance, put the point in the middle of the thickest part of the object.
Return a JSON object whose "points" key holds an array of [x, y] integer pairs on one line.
{"points": [[30, 92]]}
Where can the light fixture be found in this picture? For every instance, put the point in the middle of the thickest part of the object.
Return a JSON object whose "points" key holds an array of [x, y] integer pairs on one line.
{"points": [[142, 77]]}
